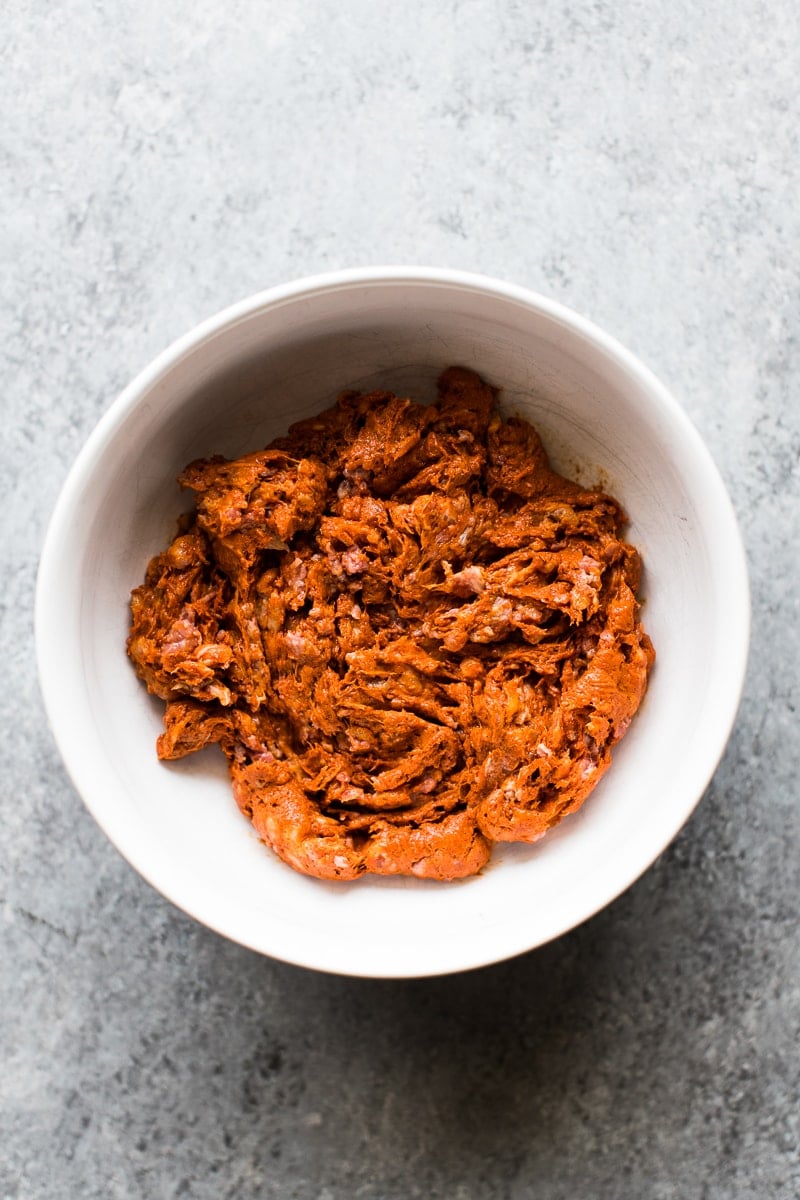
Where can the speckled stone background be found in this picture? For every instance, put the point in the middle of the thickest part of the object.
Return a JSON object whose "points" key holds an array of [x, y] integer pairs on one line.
{"points": [[637, 160]]}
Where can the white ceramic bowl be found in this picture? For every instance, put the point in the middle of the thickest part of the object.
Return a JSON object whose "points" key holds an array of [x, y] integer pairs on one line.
{"points": [[230, 386]]}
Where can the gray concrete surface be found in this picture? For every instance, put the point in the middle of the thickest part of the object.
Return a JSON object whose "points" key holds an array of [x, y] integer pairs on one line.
{"points": [[637, 160]]}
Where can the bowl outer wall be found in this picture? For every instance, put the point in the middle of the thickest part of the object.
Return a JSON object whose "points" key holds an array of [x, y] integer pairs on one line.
{"points": [[288, 930]]}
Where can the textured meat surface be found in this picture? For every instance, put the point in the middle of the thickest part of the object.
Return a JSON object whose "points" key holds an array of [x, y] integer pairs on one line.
{"points": [[410, 637]]}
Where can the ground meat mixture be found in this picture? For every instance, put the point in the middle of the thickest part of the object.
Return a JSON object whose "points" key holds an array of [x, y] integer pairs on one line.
{"points": [[409, 636]]}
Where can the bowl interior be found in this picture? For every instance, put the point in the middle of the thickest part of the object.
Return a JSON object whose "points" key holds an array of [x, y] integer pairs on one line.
{"points": [[602, 418]]}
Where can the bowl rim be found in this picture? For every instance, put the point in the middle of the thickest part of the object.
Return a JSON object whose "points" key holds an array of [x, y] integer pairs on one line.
{"points": [[56, 690]]}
